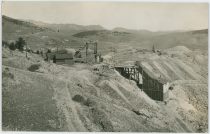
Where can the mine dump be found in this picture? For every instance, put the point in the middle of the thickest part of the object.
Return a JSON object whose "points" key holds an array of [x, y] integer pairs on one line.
{"points": [[88, 78]]}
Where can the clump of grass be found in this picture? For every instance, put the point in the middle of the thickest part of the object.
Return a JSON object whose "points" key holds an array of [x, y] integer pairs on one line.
{"points": [[34, 67], [89, 102], [78, 98]]}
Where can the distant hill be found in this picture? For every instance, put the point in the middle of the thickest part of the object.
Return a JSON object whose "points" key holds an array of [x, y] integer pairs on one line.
{"points": [[121, 29], [37, 35], [73, 28], [197, 39], [43, 35], [67, 28], [98, 32], [204, 31], [14, 27], [18, 22]]}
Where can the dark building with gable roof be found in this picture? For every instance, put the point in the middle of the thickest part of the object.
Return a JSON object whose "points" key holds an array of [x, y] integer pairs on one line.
{"points": [[67, 58], [155, 87]]}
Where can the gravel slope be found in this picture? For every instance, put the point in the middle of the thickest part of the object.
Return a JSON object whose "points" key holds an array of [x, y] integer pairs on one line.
{"points": [[78, 98]]}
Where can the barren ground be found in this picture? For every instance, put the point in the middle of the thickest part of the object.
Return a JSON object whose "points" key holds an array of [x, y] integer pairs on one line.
{"points": [[78, 98]]}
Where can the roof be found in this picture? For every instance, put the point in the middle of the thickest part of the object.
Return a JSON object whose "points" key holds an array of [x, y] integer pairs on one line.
{"points": [[125, 66], [64, 56], [151, 74]]}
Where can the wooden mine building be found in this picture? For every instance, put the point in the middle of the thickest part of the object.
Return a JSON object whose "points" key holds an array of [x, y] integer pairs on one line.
{"points": [[67, 58], [155, 87]]}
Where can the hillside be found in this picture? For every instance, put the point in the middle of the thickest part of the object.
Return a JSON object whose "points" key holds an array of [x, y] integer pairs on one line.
{"points": [[53, 105], [37, 36], [80, 98], [13, 27], [145, 39], [43, 35], [84, 97], [186, 70], [67, 28]]}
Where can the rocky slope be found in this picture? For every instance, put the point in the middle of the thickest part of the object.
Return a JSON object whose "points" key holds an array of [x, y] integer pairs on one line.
{"points": [[91, 98], [187, 72], [83, 97]]}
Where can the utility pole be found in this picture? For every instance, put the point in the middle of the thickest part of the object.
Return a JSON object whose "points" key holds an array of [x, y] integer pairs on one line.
{"points": [[95, 51], [86, 51], [96, 48], [142, 79], [26, 50]]}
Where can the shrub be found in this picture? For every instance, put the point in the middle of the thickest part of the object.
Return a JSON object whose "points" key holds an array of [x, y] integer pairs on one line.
{"points": [[34, 67], [20, 43], [7, 74], [171, 88], [89, 102], [12, 46], [78, 98]]}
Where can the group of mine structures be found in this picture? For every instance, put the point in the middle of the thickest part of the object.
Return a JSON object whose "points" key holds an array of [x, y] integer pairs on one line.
{"points": [[156, 88], [84, 55]]}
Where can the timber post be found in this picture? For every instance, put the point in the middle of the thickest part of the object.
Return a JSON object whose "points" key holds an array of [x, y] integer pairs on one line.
{"points": [[86, 51]]}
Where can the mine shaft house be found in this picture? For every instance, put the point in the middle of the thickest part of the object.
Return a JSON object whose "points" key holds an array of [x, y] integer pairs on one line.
{"points": [[155, 87]]}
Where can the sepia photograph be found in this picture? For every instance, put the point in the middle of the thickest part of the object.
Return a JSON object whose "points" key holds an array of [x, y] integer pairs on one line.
{"points": [[90, 66]]}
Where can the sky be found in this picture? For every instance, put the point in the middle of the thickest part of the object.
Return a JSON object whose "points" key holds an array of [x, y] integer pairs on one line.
{"points": [[131, 15]]}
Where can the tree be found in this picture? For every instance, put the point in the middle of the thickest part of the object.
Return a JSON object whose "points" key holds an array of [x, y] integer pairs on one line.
{"points": [[48, 51], [20, 43], [12, 46], [34, 67]]}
